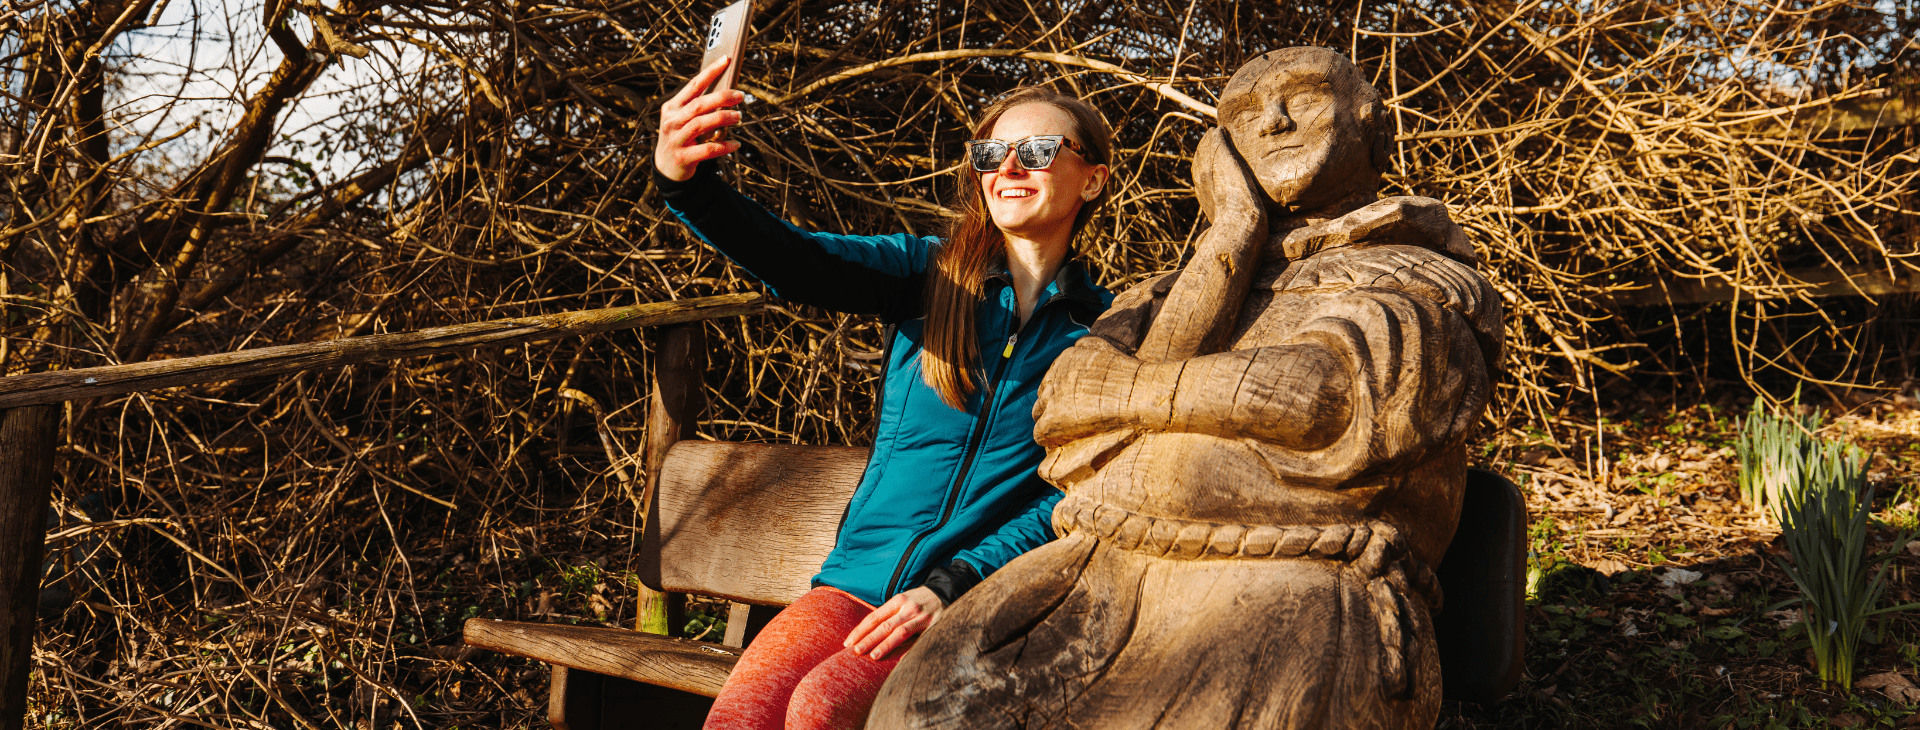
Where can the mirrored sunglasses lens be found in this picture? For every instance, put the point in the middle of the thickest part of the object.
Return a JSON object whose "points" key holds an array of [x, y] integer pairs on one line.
{"points": [[987, 156], [1036, 154]]}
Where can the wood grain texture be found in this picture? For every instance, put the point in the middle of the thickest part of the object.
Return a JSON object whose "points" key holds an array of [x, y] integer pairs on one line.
{"points": [[1345, 398], [1088, 636], [679, 393], [689, 666], [747, 522], [738, 616], [1206, 302], [27, 440], [673, 414], [63, 385], [1262, 455]]}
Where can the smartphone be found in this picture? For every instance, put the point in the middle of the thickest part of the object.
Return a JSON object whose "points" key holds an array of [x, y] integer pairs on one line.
{"points": [[726, 36]]}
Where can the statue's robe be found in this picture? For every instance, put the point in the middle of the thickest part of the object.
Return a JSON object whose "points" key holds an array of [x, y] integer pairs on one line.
{"points": [[1248, 535]]}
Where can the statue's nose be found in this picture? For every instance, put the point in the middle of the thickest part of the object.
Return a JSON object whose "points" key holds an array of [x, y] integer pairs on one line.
{"points": [[1276, 120]]}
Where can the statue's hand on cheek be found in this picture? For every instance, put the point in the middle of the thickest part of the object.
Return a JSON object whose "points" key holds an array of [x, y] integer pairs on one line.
{"points": [[1204, 305], [1229, 193]]}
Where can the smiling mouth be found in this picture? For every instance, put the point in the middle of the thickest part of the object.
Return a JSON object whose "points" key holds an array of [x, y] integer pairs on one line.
{"points": [[1016, 193]]}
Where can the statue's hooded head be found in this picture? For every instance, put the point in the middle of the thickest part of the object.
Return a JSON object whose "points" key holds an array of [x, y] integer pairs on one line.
{"points": [[1310, 128]]}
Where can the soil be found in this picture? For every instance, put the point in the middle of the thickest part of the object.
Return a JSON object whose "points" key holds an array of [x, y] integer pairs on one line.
{"points": [[1659, 599]]}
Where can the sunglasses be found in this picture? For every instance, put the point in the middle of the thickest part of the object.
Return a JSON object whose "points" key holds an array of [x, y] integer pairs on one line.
{"points": [[1034, 153]]}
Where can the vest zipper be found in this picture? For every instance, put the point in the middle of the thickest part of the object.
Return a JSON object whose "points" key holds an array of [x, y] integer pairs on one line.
{"points": [[980, 426]]}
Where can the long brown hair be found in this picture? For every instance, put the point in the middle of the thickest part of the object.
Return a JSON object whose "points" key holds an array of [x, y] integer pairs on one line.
{"points": [[974, 244]]}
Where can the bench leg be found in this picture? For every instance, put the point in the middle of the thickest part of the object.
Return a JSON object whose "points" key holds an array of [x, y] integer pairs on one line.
{"points": [[573, 699]]}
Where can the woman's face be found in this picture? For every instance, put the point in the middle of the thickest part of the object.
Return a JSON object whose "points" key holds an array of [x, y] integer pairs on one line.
{"points": [[1039, 204]]}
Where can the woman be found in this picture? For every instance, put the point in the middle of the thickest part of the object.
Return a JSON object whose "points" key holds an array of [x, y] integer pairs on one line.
{"points": [[950, 493]]}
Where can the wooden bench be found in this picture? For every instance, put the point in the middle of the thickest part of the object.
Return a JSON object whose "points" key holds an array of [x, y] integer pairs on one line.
{"points": [[752, 523], [749, 523]]}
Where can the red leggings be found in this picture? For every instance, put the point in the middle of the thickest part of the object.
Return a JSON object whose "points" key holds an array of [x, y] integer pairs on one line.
{"points": [[797, 676]]}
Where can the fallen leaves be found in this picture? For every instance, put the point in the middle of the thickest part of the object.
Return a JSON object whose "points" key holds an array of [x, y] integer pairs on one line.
{"points": [[1678, 576], [1625, 515], [1894, 685], [1608, 567]]}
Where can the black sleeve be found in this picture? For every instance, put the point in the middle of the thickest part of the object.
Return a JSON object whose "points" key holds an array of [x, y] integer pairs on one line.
{"points": [[952, 581], [881, 275]]}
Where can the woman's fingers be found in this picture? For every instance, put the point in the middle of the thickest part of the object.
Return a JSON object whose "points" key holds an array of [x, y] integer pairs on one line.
{"points": [[859, 633], [878, 634], [680, 113], [691, 115], [707, 103], [869, 630], [697, 86], [699, 126], [890, 634], [905, 616], [894, 622], [681, 128], [709, 150], [899, 636]]}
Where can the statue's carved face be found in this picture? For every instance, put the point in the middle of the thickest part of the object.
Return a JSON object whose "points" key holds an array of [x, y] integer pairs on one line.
{"points": [[1297, 127]]}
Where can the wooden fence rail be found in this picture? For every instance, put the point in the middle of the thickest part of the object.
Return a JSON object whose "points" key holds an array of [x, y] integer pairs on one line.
{"points": [[65, 385], [30, 422]]}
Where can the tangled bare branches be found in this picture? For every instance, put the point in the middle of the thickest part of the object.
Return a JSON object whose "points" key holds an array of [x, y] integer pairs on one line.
{"points": [[299, 552]]}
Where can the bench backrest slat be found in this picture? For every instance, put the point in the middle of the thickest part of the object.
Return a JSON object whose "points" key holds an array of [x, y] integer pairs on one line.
{"points": [[746, 522]]}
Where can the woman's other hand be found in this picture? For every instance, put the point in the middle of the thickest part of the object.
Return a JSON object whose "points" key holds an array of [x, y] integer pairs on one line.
{"points": [[899, 619], [688, 117]]}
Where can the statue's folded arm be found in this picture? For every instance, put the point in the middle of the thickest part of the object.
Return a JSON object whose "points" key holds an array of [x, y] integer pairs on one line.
{"points": [[1329, 384]]}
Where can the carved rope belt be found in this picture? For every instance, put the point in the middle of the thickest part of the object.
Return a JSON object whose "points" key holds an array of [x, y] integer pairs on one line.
{"points": [[1375, 549]]}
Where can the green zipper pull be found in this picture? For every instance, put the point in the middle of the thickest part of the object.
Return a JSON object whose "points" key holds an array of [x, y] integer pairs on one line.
{"points": [[1015, 337]]}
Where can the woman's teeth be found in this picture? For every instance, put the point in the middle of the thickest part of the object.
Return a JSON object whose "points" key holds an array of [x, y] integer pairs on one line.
{"points": [[1016, 193]]}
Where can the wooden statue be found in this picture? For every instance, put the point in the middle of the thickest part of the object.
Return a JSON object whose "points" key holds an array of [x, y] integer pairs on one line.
{"points": [[1262, 454]]}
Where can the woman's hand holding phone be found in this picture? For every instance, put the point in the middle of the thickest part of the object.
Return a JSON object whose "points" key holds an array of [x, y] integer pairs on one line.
{"points": [[895, 622], [687, 119]]}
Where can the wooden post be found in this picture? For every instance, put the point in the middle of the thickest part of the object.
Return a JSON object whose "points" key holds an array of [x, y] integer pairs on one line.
{"points": [[679, 397], [27, 437]]}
